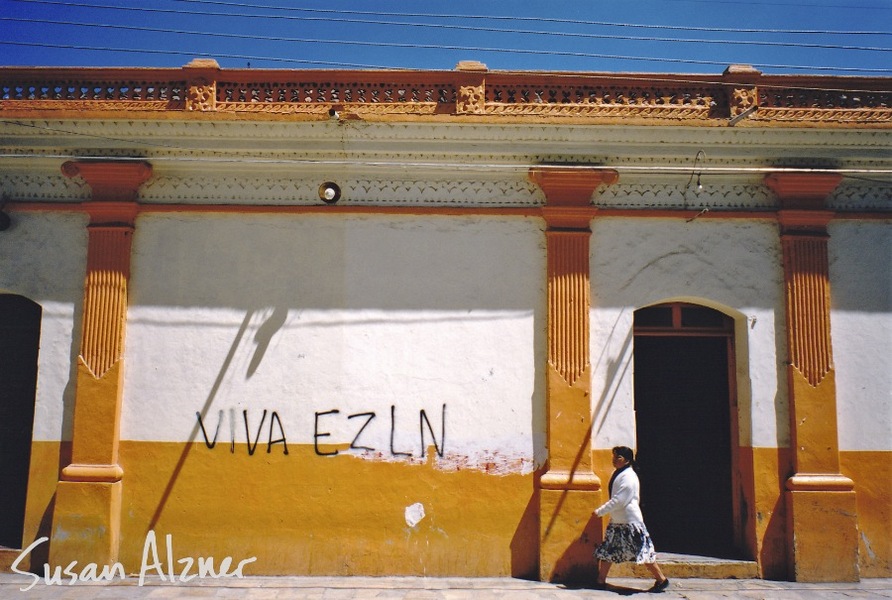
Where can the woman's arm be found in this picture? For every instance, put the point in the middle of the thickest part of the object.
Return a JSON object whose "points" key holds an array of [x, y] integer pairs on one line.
{"points": [[623, 492]]}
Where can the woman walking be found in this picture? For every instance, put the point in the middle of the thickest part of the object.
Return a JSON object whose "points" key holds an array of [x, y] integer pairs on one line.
{"points": [[626, 538]]}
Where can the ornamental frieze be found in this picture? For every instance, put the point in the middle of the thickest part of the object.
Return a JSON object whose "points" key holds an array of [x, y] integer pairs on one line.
{"points": [[92, 105], [740, 95]]}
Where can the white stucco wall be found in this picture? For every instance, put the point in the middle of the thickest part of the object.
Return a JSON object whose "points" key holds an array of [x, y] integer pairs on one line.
{"points": [[733, 266], [309, 314], [43, 257], [860, 256]]}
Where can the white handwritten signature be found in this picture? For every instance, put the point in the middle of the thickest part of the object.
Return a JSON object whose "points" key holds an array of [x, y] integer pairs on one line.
{"points": [[204, 566]]}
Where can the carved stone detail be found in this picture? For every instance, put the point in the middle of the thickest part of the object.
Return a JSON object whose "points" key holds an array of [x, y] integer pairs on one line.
{"points": [[743, 99], [105, 297], [360, 191], [84, 105], [803, 220], [110, 181], [202, 95], [808, 305], [357, 110], [568, 302], [471, 100], [112, 212], [878, 115]]}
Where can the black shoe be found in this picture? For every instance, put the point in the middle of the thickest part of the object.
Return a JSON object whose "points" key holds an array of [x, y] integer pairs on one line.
{"points": [[659, 587], [600, 586]]}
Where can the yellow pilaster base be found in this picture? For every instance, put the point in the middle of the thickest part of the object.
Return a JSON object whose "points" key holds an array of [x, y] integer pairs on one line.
{"points": [[86, 523], [824, 530], [569, 531]]}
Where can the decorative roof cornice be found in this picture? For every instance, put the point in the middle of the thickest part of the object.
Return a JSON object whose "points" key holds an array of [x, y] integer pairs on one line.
{"points": [[741, 96]]}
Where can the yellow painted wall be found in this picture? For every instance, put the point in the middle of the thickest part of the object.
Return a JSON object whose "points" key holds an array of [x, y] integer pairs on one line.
{"points": [[872, 474], [766, 523], [306, 514]]}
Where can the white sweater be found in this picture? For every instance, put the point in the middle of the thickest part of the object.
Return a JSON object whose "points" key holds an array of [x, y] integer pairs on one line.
{"points": [[623, 504]]}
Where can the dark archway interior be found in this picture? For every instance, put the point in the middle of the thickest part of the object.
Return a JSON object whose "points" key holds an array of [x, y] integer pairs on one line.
{"points": [[19, 345], [682, 409]]}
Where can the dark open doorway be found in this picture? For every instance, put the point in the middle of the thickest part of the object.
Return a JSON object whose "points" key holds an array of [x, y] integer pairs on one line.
{"points": [[685, 433], [19, 343]]}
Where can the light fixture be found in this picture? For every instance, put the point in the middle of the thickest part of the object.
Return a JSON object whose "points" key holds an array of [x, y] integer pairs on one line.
{"points": [[695, 171], [329, 192]]}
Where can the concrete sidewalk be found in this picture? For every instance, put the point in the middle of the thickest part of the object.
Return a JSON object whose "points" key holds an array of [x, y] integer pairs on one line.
{"points": [[452, 588]]}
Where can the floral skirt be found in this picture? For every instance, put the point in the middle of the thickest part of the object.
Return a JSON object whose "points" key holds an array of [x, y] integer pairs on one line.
{"points": [[627, 542]]}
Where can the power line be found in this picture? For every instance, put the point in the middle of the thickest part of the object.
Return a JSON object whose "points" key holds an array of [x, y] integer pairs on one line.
{"points": [[556, 75], [189, 54], [439, 16], [458, 27], [795, 4], [524, 51], [436, 47], [535, 19]]}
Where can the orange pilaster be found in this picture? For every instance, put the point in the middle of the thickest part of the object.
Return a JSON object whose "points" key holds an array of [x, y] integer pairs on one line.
{"points": [[569, 489], [86, 516], [821, 514]]}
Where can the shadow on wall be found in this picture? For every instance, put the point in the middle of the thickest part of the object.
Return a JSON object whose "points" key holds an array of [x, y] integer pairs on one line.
{"points": [[264, 336], [773, 558], [262, 342], [525, 543], [577, 564], [40, 555]]}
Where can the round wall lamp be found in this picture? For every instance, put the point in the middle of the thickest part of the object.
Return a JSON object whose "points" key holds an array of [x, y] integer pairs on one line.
{"points": [[329, 192]]}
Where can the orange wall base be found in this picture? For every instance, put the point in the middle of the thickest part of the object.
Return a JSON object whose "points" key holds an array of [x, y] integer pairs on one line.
{"points": [[306, 514]]}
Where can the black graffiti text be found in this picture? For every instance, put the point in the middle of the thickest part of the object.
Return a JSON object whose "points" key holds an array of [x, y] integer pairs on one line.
{"points": [[270, 428], [364, 419], [274, 421]]}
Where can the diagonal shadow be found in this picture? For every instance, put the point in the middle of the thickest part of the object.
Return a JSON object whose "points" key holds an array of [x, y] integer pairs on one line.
{"points": [[264, 337], [583, 447], [194, 434]]}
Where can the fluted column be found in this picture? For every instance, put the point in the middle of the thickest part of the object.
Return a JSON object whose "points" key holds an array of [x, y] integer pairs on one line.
{"points": [[821, 513], [569, 489], [86, 517]]}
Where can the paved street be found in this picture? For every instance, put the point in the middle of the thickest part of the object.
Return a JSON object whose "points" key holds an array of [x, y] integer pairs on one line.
{"points": [[351, 588]]}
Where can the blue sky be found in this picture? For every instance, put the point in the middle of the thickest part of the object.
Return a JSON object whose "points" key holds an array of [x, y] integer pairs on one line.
{"points": [[828, 37]]}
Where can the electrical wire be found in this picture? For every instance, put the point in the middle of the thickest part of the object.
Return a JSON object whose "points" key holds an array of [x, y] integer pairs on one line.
{"points": [[524, 51], [449, 16], [191, 54], [456, 27], [447, 47], [554, 75]]}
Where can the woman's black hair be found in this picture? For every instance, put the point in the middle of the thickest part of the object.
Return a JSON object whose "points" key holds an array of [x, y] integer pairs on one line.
{"points": [[626, 453]]}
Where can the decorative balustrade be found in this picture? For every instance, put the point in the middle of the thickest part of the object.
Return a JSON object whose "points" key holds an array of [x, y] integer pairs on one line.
{"points": [[857, 105], [741, 93], [310, 93], [602, 96], [80, 89]]}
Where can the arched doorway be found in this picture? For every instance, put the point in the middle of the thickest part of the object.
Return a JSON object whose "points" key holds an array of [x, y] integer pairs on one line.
{"points": [[19, 343], [686, 428]]}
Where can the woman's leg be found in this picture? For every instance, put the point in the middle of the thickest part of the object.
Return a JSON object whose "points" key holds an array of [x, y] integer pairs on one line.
{"points": [[655, 570], [603, 569], [661, 582]]}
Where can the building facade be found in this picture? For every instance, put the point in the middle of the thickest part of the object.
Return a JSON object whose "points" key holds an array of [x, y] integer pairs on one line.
{"points": [[388, 322]]}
